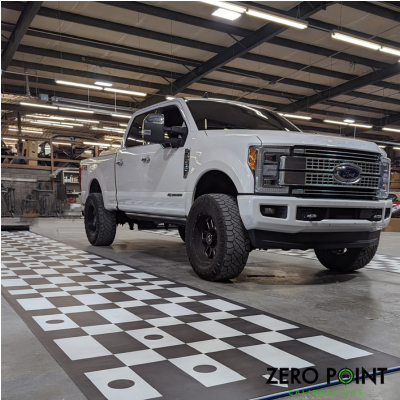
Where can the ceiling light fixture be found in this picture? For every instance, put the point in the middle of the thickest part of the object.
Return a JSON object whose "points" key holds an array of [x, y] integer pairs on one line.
{"points": [[96, 144], [349, 121], [226, 14], [382, 147], [389, 50], [62, 143], [25, 130], [82, 110], [280, 20], [51, 124], [89, 121], [123, 124], [296, 116], [396, 148], [354, 40], [37, 105], [171, 97], [77, 84], [121, 115], [101, 83], [71, 123], [329, 121], [361, 126], [131, 92], [391, 129], [8, 138], [226, 6]]}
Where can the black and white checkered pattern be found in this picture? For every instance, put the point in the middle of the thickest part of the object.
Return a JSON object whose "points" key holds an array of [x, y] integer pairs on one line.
{"points": [[121, 333], [380, 262]]}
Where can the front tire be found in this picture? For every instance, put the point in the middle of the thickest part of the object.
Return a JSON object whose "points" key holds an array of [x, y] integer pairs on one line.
{"points": [[346, 260], [100, 224], [217, 243]]}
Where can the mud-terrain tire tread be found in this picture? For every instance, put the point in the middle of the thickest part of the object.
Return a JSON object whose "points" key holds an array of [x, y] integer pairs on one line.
{"points": [[356, 258], [234, 238], [107, 222]]}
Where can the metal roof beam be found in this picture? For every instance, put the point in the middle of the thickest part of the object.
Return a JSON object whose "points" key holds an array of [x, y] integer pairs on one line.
{"points": [[89, 21], [48, 81], [374, 9], [344, 88], [26, 17]]}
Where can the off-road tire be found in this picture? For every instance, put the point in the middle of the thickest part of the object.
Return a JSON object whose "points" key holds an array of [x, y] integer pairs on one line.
{"points": [[101, 229], [182, 233], [232, 240], [349, 261]]}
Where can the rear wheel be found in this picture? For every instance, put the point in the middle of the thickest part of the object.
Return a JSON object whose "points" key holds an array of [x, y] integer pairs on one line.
{"points": [[217, 243], [182, 232], [100, 224], [345, 260]]}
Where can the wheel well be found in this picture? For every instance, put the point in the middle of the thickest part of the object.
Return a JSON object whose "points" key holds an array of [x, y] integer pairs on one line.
{"points": [[95, 187], [215, 182]]}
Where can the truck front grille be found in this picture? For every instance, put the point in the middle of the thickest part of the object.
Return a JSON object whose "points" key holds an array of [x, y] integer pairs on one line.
{"points": [[309, 172]]}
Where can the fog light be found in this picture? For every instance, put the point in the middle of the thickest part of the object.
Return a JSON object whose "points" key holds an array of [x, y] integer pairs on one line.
{"points": [[274, 211]]}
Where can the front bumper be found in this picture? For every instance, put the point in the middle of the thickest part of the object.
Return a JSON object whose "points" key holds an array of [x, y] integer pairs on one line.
{"points": [[249, 207]]}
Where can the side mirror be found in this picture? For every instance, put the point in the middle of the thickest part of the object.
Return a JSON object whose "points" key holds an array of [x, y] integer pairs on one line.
{"points": [[153, 128]]}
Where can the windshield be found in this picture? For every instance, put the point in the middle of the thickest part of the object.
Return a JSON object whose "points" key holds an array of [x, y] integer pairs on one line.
{"points": [[211, 115]]}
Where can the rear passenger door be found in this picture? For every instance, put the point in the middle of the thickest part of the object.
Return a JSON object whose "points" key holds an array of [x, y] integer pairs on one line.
{"points": [[163, 183], [128, 168]]}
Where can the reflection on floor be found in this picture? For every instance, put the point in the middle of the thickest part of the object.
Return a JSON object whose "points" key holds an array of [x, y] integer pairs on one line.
{"points": [[380, 262], [121, 333]]}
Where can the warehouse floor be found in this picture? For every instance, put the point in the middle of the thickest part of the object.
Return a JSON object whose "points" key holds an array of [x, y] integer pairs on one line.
{"points": [[362, 307]]}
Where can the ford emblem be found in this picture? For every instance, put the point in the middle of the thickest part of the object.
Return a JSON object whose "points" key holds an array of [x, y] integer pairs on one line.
{"points": [[347, 173]]}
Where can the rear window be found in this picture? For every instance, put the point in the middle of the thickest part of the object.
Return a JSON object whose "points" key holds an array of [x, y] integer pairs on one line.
{"points": [[212, 115]]}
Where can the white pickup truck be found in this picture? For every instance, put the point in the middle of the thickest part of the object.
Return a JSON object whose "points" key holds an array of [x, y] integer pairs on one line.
{"points": [[234, 177]]}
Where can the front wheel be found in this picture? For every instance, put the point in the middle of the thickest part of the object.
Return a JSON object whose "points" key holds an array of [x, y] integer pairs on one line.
{"points": [[217, 243], [346, 260], [100, 224]]}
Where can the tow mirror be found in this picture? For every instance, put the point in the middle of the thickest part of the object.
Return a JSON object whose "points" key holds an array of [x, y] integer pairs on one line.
{"points": [[153, 128]]}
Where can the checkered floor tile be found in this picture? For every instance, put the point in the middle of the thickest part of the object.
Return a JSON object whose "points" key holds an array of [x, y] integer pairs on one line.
{"points": [[121, 333], [379, 262]]}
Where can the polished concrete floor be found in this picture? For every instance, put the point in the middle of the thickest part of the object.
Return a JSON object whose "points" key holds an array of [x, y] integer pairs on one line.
{"points": [[363, 307]]}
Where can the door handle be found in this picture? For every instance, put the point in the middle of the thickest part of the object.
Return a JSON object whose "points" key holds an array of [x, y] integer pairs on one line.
{"points": [[146, 159], [120, 162]]}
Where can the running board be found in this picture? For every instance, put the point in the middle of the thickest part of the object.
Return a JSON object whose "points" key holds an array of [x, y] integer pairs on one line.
{"points": [[161, 219]]}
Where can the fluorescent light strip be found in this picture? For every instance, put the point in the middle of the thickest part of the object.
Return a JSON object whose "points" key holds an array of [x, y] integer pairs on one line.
{"points": [[25, 130], [296, 116], [354, 40], [278, 19], [71, 123], [121, 115], [328, 121], [170, 97], [349, 121], [133, 93], [96, 144], [396, 148], [361, 126], [123, 124], [226, 6], [382, 147], [77, 110], [389, 50], [61, 143], [101, 83], [50, 124], [391, 129], [89, 121], [77, 84], [37, 105], [226, 14], [8, 138]]}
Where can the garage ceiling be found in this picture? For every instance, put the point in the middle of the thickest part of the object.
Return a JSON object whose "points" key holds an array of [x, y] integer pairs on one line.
{"points": [[179, 48]]}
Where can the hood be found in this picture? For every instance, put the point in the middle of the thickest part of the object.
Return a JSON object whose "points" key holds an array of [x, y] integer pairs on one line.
{"points": [[281, 138]]}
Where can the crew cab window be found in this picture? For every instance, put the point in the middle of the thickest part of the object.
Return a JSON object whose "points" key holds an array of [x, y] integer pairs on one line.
{"points": [[212, 115], [134, 137]]}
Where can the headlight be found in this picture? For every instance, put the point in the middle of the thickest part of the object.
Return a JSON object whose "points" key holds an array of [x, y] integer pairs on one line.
{"points": [[264, 161], [384, 181]]}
